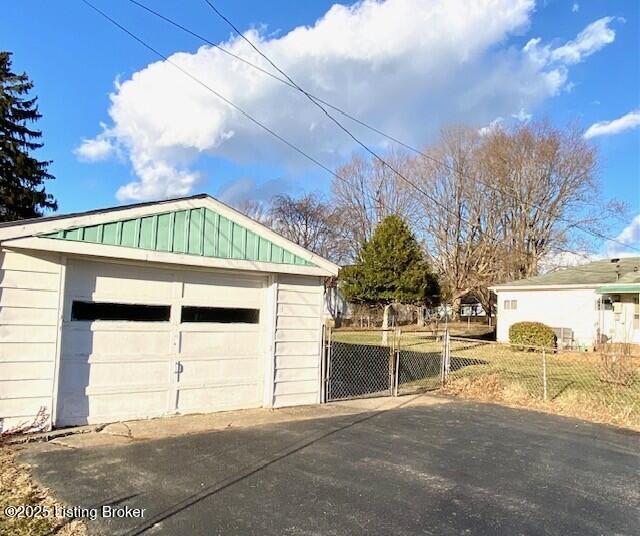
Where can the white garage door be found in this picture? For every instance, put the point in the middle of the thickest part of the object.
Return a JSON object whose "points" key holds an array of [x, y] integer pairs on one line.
{"points": [[141, 342]]}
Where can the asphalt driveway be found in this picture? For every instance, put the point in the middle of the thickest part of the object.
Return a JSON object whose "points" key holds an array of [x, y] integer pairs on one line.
{"points": [[453, 468]]}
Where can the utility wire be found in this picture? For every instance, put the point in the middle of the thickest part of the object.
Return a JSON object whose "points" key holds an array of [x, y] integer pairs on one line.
{"points": [[326, 112], [255, 121], [216, 93], [246, 114], [320, 102]]}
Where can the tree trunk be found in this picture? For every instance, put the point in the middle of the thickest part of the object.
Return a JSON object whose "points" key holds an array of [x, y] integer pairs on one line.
{"points": [[456, 302]]}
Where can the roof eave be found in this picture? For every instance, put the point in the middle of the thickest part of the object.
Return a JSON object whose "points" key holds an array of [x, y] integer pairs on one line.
{"points": [[497, 288], [29, 228], [89, 250]]}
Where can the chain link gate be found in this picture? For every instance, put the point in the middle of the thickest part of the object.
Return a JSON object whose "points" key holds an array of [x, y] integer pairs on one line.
{"points": [[358, 364], [368, 363], [421, 362]]}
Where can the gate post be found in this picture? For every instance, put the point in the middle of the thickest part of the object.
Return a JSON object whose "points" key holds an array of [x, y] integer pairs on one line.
{"points": [[392, 355], [396, 375], [325, 365], [544, 374], [445, 365]]}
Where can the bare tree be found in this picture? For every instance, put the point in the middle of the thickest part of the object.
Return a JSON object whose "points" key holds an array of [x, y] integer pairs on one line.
{"points": [[368, 193], [506, 201], [549, 193], [309, 222], [458, 214], [256, 210]]}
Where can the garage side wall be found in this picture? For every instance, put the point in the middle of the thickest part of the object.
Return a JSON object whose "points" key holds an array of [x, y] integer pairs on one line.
{"points": [[298, 340], [574, 309], [29, 300]]}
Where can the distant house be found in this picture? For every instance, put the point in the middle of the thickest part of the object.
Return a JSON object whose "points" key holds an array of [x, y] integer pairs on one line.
{"points": [[587, 304], [472, 309]]}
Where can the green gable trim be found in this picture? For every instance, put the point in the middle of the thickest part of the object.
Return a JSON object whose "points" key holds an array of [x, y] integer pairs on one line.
{"points": [[198, 231], [618, 289]]}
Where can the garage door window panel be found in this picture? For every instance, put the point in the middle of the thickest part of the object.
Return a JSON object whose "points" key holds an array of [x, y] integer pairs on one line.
{"points": [[220, 315], [118, 312]]}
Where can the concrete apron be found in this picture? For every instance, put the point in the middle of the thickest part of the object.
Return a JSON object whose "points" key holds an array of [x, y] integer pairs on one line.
{"points": [[124, 432]]}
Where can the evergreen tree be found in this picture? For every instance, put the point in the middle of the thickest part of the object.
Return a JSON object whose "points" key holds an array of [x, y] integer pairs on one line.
{"points": [[22, 191], [390, 268]]}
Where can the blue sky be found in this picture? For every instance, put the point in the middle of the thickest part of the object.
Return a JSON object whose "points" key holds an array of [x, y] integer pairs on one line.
{"points": [[408, 67]]}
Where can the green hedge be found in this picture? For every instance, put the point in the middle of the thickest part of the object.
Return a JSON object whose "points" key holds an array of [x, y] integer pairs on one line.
{"points": [[532, 334]]}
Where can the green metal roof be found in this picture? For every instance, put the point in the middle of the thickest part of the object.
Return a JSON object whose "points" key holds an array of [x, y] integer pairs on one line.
{"points": [[198, 231], [625, 270], [618, 289]]}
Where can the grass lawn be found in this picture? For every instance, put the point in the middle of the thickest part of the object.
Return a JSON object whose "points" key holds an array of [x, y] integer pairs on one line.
{"points": [[577, 383], [17, 488]]}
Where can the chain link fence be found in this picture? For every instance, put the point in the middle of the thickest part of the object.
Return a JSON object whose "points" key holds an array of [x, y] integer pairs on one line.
{"points": [[359, 364], [603, 386], [419, 362]]}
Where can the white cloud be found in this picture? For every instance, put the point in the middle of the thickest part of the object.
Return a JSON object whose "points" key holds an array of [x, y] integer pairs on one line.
{"points": [[590, 40], [593, 38], [630, 235], [608, 128], [491, 127], [158, 179], [95, 150], [373, 59], [522, 116], [575, 7]]}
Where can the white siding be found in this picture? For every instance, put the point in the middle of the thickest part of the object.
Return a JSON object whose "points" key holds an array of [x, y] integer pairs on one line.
{"points": [[298, 340], [29, 296], [572, 308]]}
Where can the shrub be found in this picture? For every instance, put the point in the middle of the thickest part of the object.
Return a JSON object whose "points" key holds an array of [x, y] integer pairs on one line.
{"points": [[532, 334]]}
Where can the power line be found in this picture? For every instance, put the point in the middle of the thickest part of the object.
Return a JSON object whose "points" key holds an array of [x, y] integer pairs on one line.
{"points": [[258, 123], [250, 117], [216, 93], [334, 120], [320, 102]]}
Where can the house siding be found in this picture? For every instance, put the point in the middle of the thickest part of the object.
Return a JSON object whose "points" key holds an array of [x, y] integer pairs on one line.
{"points": [[298, 340], [571, 308], [29, 298]]}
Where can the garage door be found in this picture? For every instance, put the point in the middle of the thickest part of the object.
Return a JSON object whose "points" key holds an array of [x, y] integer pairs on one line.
{"points": [[140, 342]]}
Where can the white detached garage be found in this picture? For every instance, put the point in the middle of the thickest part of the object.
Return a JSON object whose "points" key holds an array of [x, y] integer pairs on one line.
{"points": [[154, 309]]}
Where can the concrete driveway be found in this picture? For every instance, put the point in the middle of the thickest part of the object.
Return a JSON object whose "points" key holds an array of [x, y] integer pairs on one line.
{"points": [[424, 468]]}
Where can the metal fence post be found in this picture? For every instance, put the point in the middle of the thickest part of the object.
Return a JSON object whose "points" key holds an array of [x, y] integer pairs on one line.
{"points": [[444, 368], [327, 368], [544, 374], [396, 375], [447, 369]]}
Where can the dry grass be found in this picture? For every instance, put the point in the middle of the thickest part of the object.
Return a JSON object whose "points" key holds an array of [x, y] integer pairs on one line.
{"points": [[581, 403], [591, 386], [17, 488]]}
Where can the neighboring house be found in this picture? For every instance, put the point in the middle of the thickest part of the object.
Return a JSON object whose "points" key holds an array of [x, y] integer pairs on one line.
{"points": [[336, 307], [471, 308], [595, 302], [144, 310]]}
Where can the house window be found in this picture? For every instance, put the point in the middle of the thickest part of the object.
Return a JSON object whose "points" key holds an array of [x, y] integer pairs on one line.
{"points": [[222, 315], [605, 304], [90, 311], [510, 305]]}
